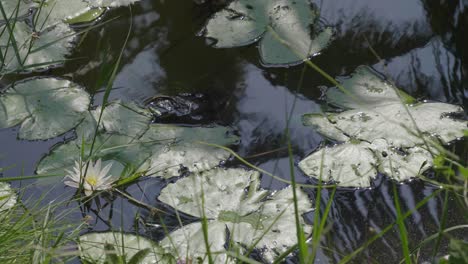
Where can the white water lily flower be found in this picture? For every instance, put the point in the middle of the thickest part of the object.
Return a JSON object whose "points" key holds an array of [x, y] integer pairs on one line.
{"points": [[96, 179]]}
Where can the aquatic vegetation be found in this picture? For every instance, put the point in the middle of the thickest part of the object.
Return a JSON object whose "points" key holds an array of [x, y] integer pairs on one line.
{"points": [[282, 26], [8, 197], [380, 132], [127, 138], [255, 218], [90, 176], [24, 49], [111, 3], [111, 246], [45, 107], [203, 209]]}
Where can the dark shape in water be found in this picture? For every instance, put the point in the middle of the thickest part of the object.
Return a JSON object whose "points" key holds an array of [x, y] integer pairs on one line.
{"points": [[183, 108]]}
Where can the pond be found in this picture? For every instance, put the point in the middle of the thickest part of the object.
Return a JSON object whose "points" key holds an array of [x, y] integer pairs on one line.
{"points": [[169, 65]]}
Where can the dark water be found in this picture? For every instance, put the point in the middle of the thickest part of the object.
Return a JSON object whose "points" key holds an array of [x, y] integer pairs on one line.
{"points": [[421, 46]]}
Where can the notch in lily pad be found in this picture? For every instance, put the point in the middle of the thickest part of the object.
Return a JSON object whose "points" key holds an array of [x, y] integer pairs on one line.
{"points": [[289, 31]]}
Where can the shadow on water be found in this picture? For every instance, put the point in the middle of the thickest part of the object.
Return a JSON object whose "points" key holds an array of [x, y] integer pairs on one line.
{"points": [[420, 45]]}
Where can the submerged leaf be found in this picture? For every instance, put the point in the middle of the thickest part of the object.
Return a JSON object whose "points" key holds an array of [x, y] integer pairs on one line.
{"points": [[7, 197], [284, 25], [45, 107], [93, 247], [237, 209]]}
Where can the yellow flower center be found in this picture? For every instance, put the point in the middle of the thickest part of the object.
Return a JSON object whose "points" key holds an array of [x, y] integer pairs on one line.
{"points": [[91, 180]]}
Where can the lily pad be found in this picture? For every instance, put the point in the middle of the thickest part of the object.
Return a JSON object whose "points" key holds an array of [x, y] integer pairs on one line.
{"points": [[365, 89], [15, 10], [283, 25], [234, 204], [126, 119], [381, 133], [45, 107], [52, 12], [7, 197], [349, 164], [93, 248], [111, 3], [23, 49], [180, 148], [161, 151], [119, 150], [187, 243]]}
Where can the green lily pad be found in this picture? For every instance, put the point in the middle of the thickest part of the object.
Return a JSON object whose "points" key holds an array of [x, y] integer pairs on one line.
{"points": [[180, 146], [379, 124], [187, 243], [365, 89], [94, 247], [111, 3], [23, 49], [8, 197], [283, 25], [52, 12], [161, 151], [321, 124], [394, 123], [126, 119], [45, 107], [117, 149], [400, 165], [349, 164], [233, 203], [18, 9]]}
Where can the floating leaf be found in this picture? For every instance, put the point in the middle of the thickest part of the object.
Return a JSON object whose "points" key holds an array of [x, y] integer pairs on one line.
{"points": [[245, 215], [15, 10], [92, 247], [52, 12], [179, 147], [349, 164], [7, 197], [111, 3], [188, 245], [394, 123], [45, 107], [126, 119], [161, 151], [364, 89], [379, 124], [24, 49], [402, 165], [284, 25], [120, 150], [321, 124]]}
